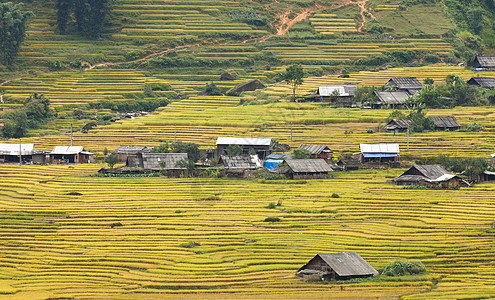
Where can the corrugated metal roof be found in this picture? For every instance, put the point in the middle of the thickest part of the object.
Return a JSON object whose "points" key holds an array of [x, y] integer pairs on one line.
{"points": [[445, 122], [484, 82], [379, 148], [67, 150], [131, 150], [348, 264], [486, 61], [392, 98], [343, 91], [13, 149], [153, 161], [244, 141], [308, 165], [315, 149], [405, 83], [249, 162]]}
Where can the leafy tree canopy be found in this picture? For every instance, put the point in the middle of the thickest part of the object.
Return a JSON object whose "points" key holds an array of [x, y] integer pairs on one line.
{"points": [[13, 23]]}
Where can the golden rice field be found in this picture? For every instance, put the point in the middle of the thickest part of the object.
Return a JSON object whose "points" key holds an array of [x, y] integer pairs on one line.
{"points": [[56, 245]]}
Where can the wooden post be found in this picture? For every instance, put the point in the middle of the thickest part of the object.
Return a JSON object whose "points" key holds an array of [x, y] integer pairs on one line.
{"points": [[71, 137], [407, 138], [20, 153]]}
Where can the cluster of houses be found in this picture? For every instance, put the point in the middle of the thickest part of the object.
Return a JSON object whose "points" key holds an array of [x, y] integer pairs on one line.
{"points": [[26, 154]]}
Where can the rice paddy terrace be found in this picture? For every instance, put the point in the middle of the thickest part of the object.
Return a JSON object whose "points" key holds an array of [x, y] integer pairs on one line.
{"points": [[206, 238]]}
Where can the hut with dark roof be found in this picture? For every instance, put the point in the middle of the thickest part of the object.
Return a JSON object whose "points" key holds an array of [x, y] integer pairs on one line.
{"points": [[260, 146], [318, 151], [391, 99], [336, 266], [484, 62], [154, 162], [482, 82], [341, 95], [410, 85], [397, 125], [123, 152], [429, 175], [240, 165], [445, 123], [307, 169]]}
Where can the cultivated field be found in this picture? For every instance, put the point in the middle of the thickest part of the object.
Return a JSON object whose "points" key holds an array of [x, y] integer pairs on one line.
{"points": [[59, 245]]}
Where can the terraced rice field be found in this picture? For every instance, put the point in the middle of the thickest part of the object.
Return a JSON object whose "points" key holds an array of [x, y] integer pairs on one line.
{"points": [[58, 245]]}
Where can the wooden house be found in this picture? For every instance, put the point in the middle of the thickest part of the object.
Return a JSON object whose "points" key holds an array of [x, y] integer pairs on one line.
{"points": [[487, 176], [70, 155], [9, 153], [260, 146], [411, 85], [336, 266], [482, 82], [243, 162], [397, 125], [445, 123], [273, 160], [391, 99], [484, 62], [349, 164], [153, 162], [340, 95], [123, 152], [379, 153], [429, 175], [307, 169], [318, 151]]}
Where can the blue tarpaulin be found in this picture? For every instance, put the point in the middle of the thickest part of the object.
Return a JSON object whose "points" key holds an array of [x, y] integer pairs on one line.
{"points": [[271, 163], [370, 155]]}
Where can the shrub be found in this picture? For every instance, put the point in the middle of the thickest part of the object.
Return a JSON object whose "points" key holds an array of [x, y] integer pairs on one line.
{"points": [[271, 205], [400, 268], [335, 195], [272, 219], [189, 244]]}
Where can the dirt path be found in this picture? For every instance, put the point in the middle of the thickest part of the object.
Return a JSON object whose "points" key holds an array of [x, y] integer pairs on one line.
{"points": [[362, 5]]}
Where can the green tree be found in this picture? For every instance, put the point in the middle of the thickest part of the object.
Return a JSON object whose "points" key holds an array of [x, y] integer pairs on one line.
{"points": [[428, 81], [64, 8], [192, 150], [301, 154], [234, 150], [13, 23], [91, 16], [163, 148], [396, 114], [475, 20], [419, 121], [212, 89], [112, 160], [293, 76]]}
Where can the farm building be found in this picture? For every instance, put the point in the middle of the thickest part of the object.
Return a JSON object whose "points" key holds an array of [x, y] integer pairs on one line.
{"points": [[397, 125], [484, 62], [341, 95], [487, 176], [379, 153], [9, 153], [390, 99], [445, 123], [482, 82], [336, 266], [262, 147], [410, 85], [273, 160], [245, 162], [307, 169], [157, 161], [428, 175], [70, 155], [123, 152], [349, 164], [318, 151]]}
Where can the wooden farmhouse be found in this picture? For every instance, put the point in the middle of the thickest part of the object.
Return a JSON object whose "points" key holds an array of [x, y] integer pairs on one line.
{"points": [[391, 99], [487, 176], [9, 153], [318, 151], [336, 266], [411, 85], [397, 125], [243, 162], [153, 162], [70, 155], [307, 169], [123, 152], [379, 153], [484, 62], [273, 160], [250, 146], [429, 175], [341, 95], [445, 123], [482, 82]]}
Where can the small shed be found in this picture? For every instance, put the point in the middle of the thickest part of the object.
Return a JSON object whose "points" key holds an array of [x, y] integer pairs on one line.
{"points": [[410, 85], [273, 160], [244, 162], [341, 95], [391, 99], [337, 266], [260, 146], [487, 176], [429, 175], [123, 152], [397, 125], [157, 161], [484, 62], [308, 169], [445, 123], [318, 151], [9, 153], [70, 155], [482, 82], [379, 153]]}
